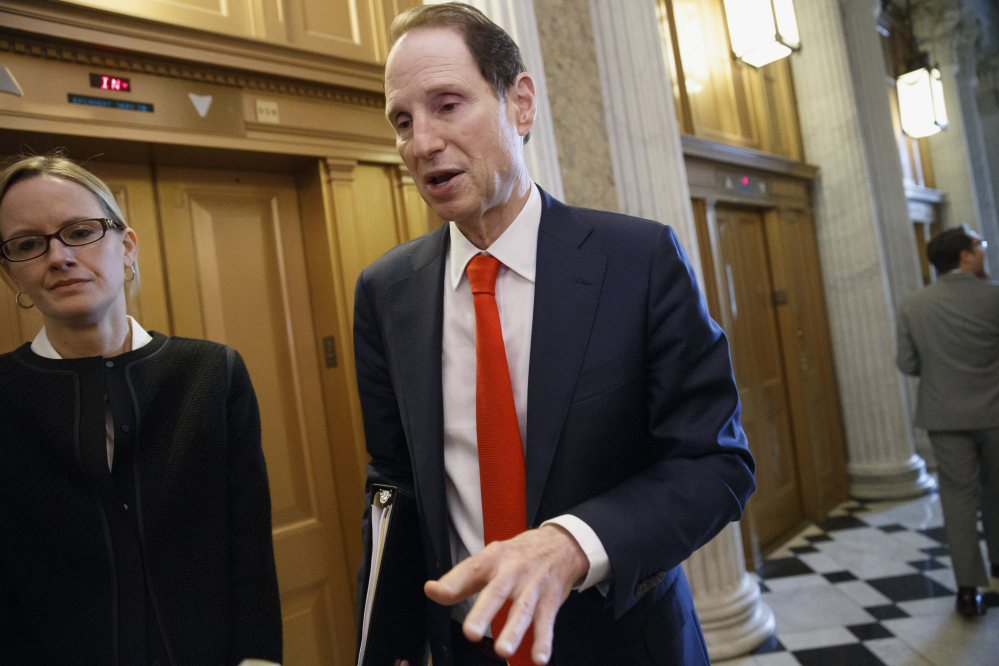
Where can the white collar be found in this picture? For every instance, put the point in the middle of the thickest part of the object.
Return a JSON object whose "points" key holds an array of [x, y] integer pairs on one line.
{"points": [[44, 348], [516, 248]]}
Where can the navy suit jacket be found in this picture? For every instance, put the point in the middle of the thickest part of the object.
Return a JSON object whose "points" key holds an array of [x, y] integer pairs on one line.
{"points": [[632, 421]]}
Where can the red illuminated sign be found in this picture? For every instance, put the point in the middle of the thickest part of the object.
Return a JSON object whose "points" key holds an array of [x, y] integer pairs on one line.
{"points": [[112, 83]]}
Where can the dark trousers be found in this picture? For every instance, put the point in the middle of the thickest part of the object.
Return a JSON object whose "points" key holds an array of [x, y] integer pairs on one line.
{"points": [[968, 463]]}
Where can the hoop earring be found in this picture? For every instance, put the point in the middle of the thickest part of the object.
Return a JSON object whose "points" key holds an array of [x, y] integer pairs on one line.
{"points": [[17, 299], [128, 277]]}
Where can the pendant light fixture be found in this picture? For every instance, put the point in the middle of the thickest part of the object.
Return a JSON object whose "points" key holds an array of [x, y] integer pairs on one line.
{"points": [[762, 31], [921, 100]]}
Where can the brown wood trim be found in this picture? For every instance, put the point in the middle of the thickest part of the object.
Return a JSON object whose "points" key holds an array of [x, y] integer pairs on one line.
{"points": [[194, 48], [744, 157], [683, 109]]}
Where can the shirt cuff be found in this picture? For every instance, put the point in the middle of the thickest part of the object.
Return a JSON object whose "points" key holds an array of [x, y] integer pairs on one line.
{"points": [[590, 543]]}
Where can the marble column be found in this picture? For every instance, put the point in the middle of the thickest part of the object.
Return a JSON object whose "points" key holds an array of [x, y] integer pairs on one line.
{"points": [[540, 153], [960, 162], [882, 458], [651, 182], [988, 109], [642, 126], [871, 81], [727, 599]]}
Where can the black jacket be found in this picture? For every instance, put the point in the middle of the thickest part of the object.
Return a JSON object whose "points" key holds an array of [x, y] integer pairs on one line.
{"points": [[169, 557]]}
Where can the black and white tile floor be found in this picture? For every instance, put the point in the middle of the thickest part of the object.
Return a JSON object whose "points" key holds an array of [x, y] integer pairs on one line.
{"points": [[872, 585]]}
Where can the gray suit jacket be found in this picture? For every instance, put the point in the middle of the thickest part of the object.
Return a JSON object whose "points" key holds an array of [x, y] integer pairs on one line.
{"points": [[948, 335]]}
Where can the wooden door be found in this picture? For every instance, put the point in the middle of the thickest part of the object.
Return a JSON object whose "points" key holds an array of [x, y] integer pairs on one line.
{"points": [[236, 274], [812, 384], [749, 316]]}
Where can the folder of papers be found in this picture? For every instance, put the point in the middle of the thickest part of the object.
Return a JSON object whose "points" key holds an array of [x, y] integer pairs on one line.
{"points": [[393, 624]]}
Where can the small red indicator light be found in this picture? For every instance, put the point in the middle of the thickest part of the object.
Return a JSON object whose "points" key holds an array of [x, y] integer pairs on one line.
{"points": [[745, 180]]}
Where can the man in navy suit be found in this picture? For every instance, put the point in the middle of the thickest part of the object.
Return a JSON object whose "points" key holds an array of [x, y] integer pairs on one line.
{"points": [[633, 455]]}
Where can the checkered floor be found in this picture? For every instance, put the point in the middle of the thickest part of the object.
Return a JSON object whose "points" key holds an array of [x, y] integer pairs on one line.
{"points": [[872, 585]]}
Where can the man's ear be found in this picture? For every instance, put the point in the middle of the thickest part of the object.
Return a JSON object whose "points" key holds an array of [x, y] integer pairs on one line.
{"points": [[967, 256], [524, 100]]}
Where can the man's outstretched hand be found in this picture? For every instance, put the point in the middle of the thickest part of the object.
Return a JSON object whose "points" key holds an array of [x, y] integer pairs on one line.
{"points": [[535, 570]]}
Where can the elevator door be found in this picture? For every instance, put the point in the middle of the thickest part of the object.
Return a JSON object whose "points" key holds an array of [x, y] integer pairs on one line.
{"points": [[235, 273], [775, 508]]}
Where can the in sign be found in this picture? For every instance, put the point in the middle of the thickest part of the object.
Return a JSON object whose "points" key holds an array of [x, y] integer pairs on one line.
{"points": [[107, 82]]}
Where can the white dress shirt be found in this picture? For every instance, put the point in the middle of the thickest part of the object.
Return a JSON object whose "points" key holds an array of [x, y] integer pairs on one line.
{"points": [[517, 250], [41, 346]]}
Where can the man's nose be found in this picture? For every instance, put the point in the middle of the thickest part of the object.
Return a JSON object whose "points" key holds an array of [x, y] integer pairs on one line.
{"points": [[427, 139]]}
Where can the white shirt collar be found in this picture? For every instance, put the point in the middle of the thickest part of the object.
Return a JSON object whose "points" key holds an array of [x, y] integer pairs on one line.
{"points": [[41, 345], [516, 248]]}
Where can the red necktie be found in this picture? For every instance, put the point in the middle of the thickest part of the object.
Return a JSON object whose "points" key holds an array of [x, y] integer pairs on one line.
{"points": [[501, 456]]}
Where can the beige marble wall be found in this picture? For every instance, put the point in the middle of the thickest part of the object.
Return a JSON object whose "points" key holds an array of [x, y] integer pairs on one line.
{"points": [[573, 79]]}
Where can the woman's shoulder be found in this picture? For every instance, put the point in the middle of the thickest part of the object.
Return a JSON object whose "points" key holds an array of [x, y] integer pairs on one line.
{"points": [[10, 359], [193, 354]]}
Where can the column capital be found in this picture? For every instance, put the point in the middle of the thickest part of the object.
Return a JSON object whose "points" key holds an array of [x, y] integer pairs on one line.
{"points": [[339, 169]]}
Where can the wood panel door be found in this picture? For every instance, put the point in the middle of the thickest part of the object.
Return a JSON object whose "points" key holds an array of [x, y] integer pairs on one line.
{"points": [[236, 273], [812, 387], [749, 316]]}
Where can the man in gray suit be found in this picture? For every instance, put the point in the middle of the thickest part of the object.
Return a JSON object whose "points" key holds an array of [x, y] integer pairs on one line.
{"points": [[948, 336]]}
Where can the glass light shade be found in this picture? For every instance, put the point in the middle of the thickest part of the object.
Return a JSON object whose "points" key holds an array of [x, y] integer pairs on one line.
{"points": [[762, 31], [921, 102]]}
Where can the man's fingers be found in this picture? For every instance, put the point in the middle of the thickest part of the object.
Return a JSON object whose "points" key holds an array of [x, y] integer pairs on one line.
{"points": [[461, 582], [544, 626], [401, 662], [518, 621], [490, 600]]}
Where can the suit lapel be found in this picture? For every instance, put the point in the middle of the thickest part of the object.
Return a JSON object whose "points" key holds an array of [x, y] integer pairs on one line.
{"points": [[416, 321], [566, 291]]}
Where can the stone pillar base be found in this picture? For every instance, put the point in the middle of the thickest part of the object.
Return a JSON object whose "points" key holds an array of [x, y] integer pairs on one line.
{"points": [[887, 481], [737, 623]]}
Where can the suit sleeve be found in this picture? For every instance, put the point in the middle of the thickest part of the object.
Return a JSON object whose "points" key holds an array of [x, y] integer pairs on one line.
{"points": [[907, 357], [255, 610], [700, 473], [385, 440]]}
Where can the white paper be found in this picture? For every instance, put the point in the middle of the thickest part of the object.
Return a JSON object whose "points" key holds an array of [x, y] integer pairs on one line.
{"points": [[379, 527]]}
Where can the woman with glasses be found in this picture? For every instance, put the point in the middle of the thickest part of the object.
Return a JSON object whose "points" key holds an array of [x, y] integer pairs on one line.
{"points": [[135, 521]]}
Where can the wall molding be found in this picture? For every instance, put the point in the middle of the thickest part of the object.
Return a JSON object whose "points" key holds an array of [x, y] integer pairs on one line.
{"points": [[53, 49], [745, 157]]}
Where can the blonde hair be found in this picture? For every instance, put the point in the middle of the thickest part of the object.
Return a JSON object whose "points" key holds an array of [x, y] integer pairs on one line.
{"points": [[57, 165]]}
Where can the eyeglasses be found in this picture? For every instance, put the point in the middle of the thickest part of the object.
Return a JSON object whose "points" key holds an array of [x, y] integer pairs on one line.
{"points": [[84, 232]]}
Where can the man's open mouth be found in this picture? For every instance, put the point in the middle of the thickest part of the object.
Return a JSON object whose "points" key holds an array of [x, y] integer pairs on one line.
{"points": [[441, 178]]}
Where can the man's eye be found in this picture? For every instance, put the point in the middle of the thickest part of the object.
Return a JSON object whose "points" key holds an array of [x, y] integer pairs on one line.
{"points": [[449, 107], [403, 124]]}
